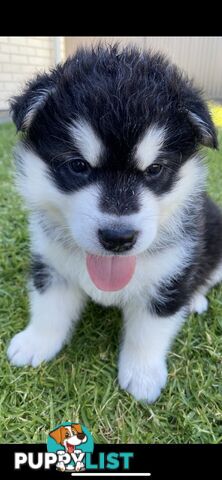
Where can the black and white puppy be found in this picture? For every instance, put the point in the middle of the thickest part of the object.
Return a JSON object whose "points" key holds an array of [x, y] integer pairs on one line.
{"points": [[109, 165]]}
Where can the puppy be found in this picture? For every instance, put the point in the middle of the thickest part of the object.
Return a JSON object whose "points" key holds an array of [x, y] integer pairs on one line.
{"points": [[69, 437], [109, 165]]}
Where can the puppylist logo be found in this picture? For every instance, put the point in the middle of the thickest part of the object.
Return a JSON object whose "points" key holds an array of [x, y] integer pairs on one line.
{"points": [[69, 449], [72, 443]]}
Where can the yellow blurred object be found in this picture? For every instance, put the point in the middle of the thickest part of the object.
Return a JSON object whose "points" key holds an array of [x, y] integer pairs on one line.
{"points": [[216, 112]]}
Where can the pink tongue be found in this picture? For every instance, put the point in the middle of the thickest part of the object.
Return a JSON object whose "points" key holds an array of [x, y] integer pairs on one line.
{"points": [[110, 273]]}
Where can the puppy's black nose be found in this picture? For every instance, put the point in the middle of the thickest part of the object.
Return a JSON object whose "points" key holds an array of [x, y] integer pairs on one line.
{"points": [[117, 240], [80, 435]]}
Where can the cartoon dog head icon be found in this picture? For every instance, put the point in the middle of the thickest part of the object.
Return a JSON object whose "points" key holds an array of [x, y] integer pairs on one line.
{"points": [[69, 436]]}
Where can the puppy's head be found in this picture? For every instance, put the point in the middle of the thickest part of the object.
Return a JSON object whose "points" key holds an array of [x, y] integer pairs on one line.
{"points": [[69, 436], [109, 150]]}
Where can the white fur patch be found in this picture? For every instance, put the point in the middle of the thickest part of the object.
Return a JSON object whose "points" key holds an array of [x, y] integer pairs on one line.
{"points": [[190, 183], [33, 180], [87, 141], [150, 146]]}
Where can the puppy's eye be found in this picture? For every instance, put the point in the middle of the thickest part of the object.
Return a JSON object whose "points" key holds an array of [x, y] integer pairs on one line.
{"points": [[79, 166], [154, 170]]}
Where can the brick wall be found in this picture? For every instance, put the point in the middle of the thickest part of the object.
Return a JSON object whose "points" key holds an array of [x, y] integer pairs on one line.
{"points": [[20, 58]]}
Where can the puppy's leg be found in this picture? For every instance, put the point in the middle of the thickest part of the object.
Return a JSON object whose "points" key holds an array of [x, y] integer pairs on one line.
{"points": [[53, 313], [199, 303], [142, 360]]}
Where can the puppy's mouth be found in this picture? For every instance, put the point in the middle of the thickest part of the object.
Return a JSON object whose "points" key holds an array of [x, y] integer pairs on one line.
{"points": [[70, 447], [110, 273]]}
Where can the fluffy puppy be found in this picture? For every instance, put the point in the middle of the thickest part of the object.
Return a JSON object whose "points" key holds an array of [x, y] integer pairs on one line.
{"points": [[109, 165]]}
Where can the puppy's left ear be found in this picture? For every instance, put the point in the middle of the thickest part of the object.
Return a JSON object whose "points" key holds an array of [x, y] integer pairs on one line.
{"points": [[200, 118]]}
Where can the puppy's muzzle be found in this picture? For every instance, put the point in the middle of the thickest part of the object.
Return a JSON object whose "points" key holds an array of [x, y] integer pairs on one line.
{"points": [[117, 241]]}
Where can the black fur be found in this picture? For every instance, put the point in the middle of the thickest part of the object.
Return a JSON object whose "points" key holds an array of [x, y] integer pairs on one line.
{"points": [[41, 273], [119, 193]]}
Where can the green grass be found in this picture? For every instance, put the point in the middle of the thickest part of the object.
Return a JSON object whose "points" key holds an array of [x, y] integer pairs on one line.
{"points": [[81, 383]]}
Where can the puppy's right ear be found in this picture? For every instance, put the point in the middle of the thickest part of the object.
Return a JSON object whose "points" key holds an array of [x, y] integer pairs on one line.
{"points": [[25, 106]]}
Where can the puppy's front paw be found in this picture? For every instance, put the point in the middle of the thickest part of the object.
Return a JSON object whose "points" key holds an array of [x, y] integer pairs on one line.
{"points": [[79, 466], [60, 467], [143, 379], [30, 347]]}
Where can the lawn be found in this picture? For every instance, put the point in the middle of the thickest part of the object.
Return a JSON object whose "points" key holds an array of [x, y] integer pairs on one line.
{"points": [[81, 383]]}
